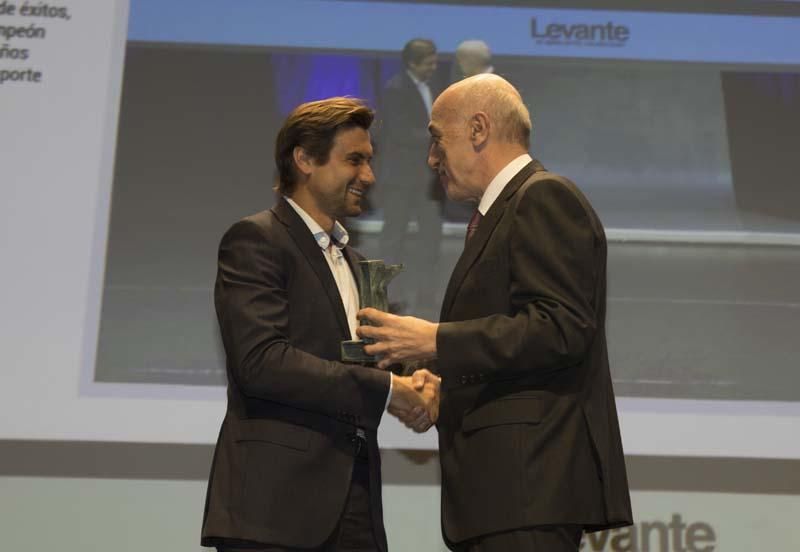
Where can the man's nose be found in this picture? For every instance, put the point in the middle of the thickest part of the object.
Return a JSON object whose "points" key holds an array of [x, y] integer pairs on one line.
{"points": [[433, 157], [367, 175]]}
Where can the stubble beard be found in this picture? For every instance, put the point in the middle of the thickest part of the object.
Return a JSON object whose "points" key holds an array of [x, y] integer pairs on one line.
{"points": [[338, 204]]}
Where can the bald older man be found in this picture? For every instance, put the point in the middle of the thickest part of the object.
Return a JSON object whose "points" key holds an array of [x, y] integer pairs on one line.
{"points": [[529, 440]]}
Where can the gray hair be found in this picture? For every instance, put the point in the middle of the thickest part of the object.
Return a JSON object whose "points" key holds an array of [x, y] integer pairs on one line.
{"points": [[477, 50]]}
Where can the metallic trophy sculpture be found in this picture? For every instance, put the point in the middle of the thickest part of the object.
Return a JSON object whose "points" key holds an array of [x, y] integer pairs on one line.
{"points": [[373, 277]]}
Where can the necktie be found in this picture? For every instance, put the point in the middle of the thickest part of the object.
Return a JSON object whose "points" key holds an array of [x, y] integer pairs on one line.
{"points": [[472, 227]]}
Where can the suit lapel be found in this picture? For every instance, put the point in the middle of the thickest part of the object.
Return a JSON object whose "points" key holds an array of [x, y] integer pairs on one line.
{"points": [[313, 253], [414, 91], [476, 244]]}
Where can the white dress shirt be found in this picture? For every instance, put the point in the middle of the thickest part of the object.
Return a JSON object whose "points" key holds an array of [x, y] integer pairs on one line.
{"points": [[424, 91], [500, 181], [332, 246]]}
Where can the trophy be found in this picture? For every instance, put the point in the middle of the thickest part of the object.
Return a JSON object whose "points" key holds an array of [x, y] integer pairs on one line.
{"points": [[373, 277]]}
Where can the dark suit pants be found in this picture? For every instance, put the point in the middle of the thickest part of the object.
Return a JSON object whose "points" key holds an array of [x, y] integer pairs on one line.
{"points": [[557, 538], [353, 533]]}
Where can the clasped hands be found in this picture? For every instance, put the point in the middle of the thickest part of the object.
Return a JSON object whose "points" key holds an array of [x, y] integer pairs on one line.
{"points": [[415, 398]]}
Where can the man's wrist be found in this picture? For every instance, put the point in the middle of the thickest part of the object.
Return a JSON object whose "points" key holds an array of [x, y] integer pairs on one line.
{"points": [[397, 391], [389, 395], [434, 331]]}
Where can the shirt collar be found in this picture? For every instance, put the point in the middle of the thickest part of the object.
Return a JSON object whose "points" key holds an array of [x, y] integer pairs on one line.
{"points": [[499, 182], [339, 235], [415, 80]]}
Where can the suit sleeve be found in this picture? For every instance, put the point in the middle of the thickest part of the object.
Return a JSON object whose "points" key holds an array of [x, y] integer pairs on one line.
{"points": [[253, 311], [554, 264]]}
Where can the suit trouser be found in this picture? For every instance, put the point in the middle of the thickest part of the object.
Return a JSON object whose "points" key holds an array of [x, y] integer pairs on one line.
{"points": [[353, 533], [556, 538]]}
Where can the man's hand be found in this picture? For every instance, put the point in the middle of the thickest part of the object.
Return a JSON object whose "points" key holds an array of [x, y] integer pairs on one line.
{"points": [[419, 419], [397, 338], [415, 400]]}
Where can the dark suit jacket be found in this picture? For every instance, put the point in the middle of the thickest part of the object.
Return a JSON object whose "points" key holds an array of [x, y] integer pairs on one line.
{"points": [[528, 431], [284, 457], [403, 140]]}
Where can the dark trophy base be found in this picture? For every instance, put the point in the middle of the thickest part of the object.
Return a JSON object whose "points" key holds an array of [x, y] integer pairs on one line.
{"points": [[353, 351]]}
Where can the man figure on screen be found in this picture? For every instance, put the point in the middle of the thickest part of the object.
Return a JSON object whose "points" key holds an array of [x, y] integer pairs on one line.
{"points": [[473, 57], [296, 464], [528, 435], [408, 188]]}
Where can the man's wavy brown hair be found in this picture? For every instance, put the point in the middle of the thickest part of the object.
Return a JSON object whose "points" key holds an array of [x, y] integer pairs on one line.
{"points": [[313, 127]]}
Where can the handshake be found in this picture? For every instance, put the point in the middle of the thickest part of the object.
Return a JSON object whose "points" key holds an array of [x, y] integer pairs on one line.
{"points": [[415, 399]]}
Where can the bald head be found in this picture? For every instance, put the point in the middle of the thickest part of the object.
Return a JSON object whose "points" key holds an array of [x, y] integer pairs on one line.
{"points": [[478, 126], [494, 96]]}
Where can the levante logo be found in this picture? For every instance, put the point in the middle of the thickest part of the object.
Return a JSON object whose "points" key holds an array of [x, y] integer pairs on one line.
{"points": [[580, 34], [654, 536]]}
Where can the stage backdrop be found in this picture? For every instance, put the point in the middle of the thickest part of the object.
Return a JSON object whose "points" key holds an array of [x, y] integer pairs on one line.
{"points": [[132, 134]]}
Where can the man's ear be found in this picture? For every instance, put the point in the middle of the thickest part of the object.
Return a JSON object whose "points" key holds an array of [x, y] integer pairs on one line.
{"points": [[479, 126], [304, 162]]}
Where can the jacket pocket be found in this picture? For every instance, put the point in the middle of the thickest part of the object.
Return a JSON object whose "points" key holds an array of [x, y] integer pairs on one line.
{"points": [[272, 431], [518, 409]]}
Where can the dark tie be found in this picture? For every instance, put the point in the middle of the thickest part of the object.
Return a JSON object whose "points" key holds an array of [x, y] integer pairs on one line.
{"points": [[472, 227]]}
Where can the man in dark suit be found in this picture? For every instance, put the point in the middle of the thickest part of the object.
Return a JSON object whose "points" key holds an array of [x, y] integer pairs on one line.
{"points": [[408, 188], [529, 440], [297, 463]]}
